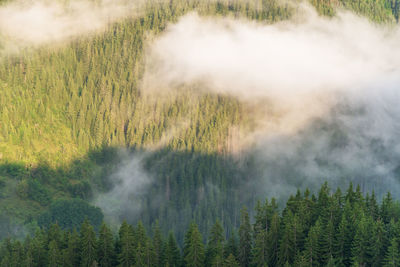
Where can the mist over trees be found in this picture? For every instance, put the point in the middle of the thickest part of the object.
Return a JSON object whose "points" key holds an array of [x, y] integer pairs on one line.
{"points": [[71, 113]]}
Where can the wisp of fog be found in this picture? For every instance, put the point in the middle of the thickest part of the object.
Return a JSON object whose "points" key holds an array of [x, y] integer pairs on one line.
{"points": [[130, 185]]}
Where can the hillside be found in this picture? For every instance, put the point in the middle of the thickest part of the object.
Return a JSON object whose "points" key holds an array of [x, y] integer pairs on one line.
{"points": [[68, 110]]}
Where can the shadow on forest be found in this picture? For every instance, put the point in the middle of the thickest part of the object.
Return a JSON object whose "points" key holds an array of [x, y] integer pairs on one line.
{"points": [[184, 186], [177, 187]]}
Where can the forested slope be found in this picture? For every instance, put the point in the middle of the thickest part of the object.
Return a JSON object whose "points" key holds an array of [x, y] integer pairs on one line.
{"points": [[327, 229], [67, 109]]}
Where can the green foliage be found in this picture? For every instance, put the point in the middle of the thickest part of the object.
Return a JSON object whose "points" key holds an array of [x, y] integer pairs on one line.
{"points": [[37, 192], [65, 112], [70, 214], [373, 242], [105, 247], [194, 247], [88, 245]]}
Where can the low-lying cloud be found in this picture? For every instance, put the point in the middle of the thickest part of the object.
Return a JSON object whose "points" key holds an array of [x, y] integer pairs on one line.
{"points": [[32, 23], [332, 85]]}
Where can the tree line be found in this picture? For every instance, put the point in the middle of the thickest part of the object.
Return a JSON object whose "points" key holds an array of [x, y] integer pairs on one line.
{"points": [[327, 229]]}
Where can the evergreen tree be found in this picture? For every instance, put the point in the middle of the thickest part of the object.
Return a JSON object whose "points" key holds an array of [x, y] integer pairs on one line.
{"points": [[105, 247], [273, 237], [72, 255], [215, 245], [363, 247], [291, 239], [260, 249], [344, 237], [312, 245], [231, 261], [54, 257], [392, 257], [126, 257], [172, 253], [231, 246], [158, 245], [245, 239], [88, 244], [194, 248]]}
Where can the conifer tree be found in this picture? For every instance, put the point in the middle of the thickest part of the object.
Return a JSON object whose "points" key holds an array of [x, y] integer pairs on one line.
{"points": [[159, 246], [215, 245], [231, 246], [364, 242], [194, 248], [54, 256], [231, 261], [172, 253], [105, 247], [312, 245], [273, 240], [260, 255], [245, 239], [88, 243], [126, 257], [392, 257], [72, 254]]}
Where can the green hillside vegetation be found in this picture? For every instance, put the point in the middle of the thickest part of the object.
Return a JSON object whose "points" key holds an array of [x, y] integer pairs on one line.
{"points": [[66, 111], [328, 229]]}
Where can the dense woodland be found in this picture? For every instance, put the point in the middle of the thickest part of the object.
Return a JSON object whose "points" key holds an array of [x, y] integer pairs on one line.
{"points": [[67, 110], [327, 229]]}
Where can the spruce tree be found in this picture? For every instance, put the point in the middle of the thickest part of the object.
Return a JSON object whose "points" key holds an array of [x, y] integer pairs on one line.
{"points": [[215, 245], [194, 248], [260, 255], [54, 255], [231, 261], [245, 239], [159, 246], [363, 247], [126, 256], [88, 245], [273, 237], [172, 253], [392, 257], [105, 247]]}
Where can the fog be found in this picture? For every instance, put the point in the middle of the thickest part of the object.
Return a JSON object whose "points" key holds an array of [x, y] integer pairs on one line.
{"points": [[130, 185], [331, 85], [31, 23]]}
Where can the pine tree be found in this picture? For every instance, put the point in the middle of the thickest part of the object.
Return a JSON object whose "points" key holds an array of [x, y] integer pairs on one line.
{"points": [[312, 245], [88, 244], [231, 246], [158, 245], [380, 243], [291, 240], [72, 254], [392, 257], [54, 254], [327, 242], [105, 247], [245, 239], [215, 244], [172, 253], [364, 242], [273, 237], [344, 237], [231, 261], [126, 257], [260, 249], [194, 248]]}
